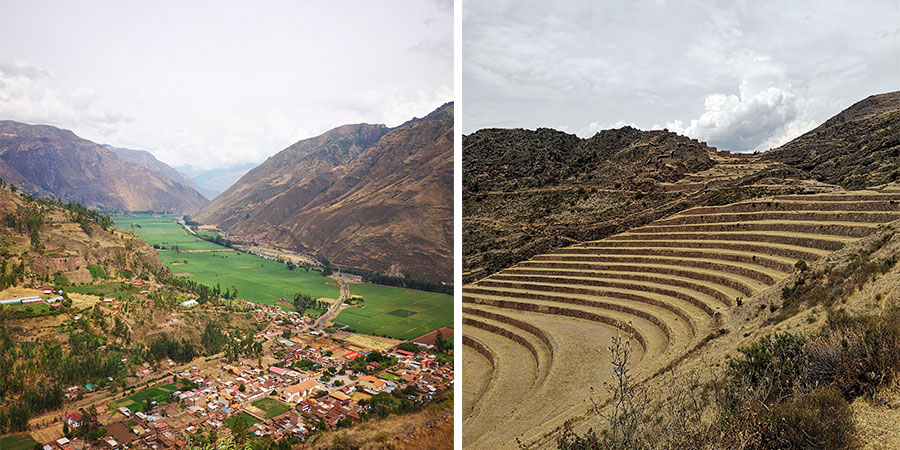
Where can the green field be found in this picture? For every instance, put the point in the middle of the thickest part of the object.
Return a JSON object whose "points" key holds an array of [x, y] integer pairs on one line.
{"points": [[271, 406], [256, 279], [398, 313], [389, 311], [17, 442], [137, 401]]}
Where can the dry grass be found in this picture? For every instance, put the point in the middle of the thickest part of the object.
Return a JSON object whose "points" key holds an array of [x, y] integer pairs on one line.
{"points": [[743, 248]]}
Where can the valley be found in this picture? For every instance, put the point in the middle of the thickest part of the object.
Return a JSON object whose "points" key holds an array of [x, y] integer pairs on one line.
{"points": [[149, 336], [269, 281]]}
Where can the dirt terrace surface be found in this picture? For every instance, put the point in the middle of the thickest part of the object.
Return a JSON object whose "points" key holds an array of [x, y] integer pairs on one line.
{"points": [[536, 334]]}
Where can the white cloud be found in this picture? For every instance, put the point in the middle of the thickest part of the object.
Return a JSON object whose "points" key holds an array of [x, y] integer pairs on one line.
{"points": [[748, 121], [768, 70], [224, 85], [27, 94], [595, 127]]}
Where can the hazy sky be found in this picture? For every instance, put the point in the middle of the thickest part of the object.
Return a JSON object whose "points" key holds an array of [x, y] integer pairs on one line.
{"points": [[217, 84], [742, 75]]}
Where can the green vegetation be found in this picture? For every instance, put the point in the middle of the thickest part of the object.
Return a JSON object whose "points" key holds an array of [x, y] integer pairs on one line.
{"points": [[428, 311], [248, 419], [165, 347], [272, 407], [17, 442], [266, 281], [256, 279], [139, 400], [96, 271]]}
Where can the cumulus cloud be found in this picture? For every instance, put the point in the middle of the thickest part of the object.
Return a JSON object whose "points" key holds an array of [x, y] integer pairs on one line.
{"points": [[28, 94], [748, 121], [595, 127], [744, 75]]}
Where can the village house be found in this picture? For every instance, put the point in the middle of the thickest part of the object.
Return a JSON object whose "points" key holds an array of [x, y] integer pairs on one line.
{"points": [[74, 418], [372, 384], [298, 392]]}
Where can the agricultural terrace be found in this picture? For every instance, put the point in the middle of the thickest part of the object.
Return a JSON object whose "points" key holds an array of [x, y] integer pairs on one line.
{"points": [[396, 312], [533, 333]]}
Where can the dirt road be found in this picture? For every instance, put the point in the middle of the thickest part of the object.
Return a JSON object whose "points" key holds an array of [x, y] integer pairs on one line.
{"points": [[335, 308]]}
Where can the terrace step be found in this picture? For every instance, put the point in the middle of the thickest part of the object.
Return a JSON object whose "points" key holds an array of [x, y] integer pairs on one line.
{"points": [[809, 216], [479, 363], [581, 362], [668, 324], [810, 240], [746, 286], [705, 303], [724, 294], [512, 363], [779, 263], [690, 314], [506, 318], [796, 205], [772, 249], [835, 228], [752, 276], [538, 349], [840, 197]]}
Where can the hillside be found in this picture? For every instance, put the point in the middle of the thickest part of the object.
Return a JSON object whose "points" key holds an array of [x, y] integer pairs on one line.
{"points": [[362, 196], [707, 277], [45, 160], [525, 192], [146, 160], [59, 242], [858, 148]]}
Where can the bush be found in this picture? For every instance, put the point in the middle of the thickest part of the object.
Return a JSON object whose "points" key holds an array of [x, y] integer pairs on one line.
{"points": [[820, 419]]}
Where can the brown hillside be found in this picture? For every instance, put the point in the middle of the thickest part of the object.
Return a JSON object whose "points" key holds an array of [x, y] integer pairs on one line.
{"points": [[362, 196], [858, 148], [66, 247], [45, 160]]}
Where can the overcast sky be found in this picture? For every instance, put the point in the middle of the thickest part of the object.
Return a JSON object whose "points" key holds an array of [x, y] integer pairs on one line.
{"points": [[217, 84], [743, 75]]}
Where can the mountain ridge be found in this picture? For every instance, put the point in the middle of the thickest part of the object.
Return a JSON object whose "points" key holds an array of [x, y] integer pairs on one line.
{"points": [[363, 196], [48, 161]]}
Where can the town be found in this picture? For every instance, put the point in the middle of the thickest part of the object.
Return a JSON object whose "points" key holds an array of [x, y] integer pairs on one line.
{"points": [[298, 382]]}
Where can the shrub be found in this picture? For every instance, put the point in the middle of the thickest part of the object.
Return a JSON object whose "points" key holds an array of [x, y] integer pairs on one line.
{"points": [[820, 419]]}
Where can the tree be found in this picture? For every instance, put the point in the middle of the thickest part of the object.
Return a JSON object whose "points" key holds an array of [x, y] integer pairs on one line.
{"points": [[239, 429], [439, 342]]}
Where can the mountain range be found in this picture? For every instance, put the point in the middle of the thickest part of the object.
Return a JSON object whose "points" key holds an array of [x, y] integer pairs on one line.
{"points": [[362, 196], [47, 161]]}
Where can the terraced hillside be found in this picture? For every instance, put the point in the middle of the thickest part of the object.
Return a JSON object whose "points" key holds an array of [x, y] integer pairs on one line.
{"points": [[536, 334]]}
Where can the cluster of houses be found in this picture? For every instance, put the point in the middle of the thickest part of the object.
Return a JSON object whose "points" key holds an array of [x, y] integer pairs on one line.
{"points": [[308, 387]]}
